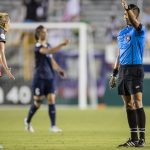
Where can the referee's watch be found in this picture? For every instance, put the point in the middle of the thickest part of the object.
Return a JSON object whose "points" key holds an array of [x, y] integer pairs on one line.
{"points": [[115, 72]]}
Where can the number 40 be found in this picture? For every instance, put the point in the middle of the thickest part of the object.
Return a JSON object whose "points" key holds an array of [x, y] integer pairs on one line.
{"points": [[22, 95]]}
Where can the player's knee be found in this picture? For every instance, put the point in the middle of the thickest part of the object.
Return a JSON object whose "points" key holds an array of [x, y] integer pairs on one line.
{"points": [[130, 105], [138, 104], [38, 103], [51, 101], [138, 100], [51, 98]]}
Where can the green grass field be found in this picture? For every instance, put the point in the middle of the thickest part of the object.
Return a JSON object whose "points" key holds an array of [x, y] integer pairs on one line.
{"points": [[100, 129]]}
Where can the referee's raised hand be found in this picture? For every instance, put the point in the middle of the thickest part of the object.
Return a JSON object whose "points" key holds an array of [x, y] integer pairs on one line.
{"points": [[124, 4]]}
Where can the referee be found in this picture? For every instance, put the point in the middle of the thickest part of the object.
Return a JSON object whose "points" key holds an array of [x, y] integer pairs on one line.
{"points": [[131, 42]]}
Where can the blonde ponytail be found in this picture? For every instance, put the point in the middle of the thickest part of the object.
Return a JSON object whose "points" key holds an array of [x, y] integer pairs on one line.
{"points": [[4, 17]]}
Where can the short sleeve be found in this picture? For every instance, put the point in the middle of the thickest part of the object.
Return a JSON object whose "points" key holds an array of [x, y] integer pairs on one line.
{"points": [[49, 55], [37, 47]]}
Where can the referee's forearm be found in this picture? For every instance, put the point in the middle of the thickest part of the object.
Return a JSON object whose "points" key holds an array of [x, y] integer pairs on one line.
{"points": [[133, 19], [117, 64]]}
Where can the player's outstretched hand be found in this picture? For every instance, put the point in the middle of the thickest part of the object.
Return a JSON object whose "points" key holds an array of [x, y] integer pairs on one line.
{"points": [[124, 4], [66, 42], [112, 82], [10, 74], [62, 74]]}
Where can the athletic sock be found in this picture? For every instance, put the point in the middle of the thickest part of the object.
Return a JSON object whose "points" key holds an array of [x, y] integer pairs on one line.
{"points": [[132, 121], [32, 111], [141, 122], [52, 114]]}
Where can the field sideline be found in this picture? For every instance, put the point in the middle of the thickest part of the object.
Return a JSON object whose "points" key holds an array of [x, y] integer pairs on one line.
{"points": [[82, 130]]}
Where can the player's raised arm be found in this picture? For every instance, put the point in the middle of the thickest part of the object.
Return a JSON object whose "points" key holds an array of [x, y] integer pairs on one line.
{"points": [[53, 50], [132, 13], [41, 39]]}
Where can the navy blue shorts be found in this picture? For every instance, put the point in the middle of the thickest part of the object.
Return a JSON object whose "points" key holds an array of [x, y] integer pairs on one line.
{"points": [[130, 79], [42, 87]]}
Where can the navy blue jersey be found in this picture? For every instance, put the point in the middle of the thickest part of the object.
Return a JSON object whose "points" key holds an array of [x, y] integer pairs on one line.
{"points": [[2, 35], [131, 45], [43, 66]]}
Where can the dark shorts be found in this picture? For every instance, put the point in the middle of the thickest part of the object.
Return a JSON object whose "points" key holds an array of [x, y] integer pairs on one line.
{"points": [[42, 87], [130, 79]]}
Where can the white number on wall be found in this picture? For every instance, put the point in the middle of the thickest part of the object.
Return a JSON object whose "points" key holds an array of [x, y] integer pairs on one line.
{"points": [[25, 94], [22, 95], [12, 95], [1, 96]]}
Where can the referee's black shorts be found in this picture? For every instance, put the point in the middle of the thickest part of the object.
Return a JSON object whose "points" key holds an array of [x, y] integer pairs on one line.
{"points": [[130, 79]]}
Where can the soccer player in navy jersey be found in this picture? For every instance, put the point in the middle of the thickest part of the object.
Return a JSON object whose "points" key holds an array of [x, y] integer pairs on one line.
{"points": [[43, 80], [131, 42], [4, 27]]}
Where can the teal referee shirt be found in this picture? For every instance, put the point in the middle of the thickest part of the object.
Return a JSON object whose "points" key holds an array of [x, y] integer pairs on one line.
{"points": [[131, 43]]}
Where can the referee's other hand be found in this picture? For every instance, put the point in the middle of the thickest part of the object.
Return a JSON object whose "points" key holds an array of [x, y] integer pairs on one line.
{"points": [[112, 82]]}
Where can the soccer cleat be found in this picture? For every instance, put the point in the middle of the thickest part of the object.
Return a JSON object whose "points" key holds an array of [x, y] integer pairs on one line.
{"points": [[28, 126], [141, 143], [55, 129], [129, 143]]}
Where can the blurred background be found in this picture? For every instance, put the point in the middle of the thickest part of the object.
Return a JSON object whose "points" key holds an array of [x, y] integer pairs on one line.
{"points": [[92, 27]]}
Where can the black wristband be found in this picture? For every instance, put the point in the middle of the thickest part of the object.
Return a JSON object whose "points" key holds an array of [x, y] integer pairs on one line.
{"points": [[115, 72]]}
